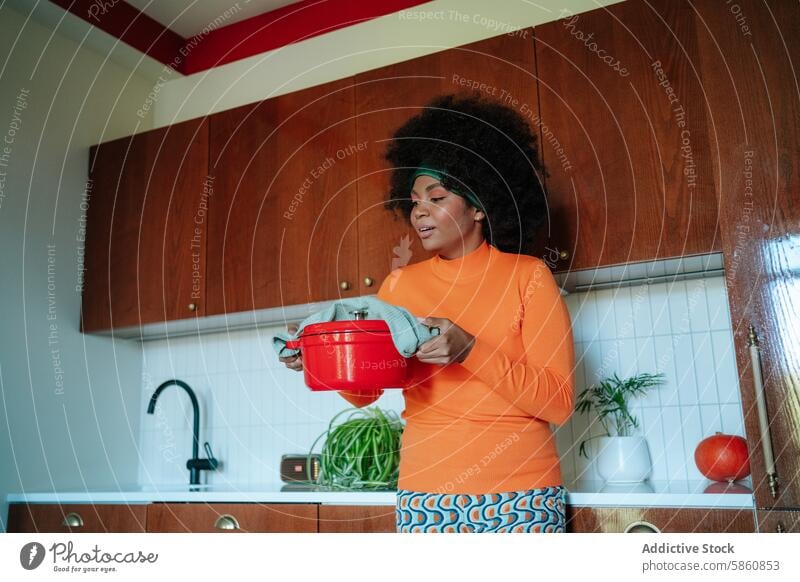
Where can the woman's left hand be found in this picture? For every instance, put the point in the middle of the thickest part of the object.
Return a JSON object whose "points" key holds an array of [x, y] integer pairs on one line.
{"points": [[453, 344]]}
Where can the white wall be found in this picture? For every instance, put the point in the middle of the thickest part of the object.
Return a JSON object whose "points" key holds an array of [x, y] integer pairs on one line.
{"points": [[81, 429]]}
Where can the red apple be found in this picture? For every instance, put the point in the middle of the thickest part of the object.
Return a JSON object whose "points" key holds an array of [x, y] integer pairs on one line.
{"points": [[723, 457]]}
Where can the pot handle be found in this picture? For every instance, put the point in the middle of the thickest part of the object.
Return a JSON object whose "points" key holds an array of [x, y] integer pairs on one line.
{"points": [[293, 344]]}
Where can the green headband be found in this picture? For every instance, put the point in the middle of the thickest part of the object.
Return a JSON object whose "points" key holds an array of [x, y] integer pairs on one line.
{"points": [[426, 171]]}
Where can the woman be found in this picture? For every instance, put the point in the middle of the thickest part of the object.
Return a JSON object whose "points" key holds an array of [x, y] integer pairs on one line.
{"points": [[478, 453]]}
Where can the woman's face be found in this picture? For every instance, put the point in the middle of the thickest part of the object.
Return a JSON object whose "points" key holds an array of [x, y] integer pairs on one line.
{"points": [[445, 222]]}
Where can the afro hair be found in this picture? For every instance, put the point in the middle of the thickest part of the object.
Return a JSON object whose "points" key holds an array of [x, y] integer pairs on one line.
{"points": [[481, 146]]}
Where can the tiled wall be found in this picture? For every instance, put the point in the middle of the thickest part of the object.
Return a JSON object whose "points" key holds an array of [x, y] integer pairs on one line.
{"points": [[679, 328], [253, 409]]}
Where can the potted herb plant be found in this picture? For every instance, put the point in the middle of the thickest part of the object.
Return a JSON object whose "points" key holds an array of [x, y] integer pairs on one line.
{"points": [[622, 457]]}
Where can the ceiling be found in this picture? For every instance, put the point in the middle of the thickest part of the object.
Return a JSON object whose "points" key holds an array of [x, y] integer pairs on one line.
{"points": [[188, 17]]}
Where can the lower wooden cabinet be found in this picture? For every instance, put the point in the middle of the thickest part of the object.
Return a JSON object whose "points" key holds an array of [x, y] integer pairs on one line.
{"points": [[357, 518], [74, 518], [778, 520], [312, 518], [232, 517], [661, 519]]}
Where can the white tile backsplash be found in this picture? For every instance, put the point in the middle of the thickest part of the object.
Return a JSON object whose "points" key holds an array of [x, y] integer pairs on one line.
{"points": [[680, 328], [253, 409]]}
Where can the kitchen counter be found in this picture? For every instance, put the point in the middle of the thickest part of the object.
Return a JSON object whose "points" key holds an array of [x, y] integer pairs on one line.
{"points": [[579, 493]]}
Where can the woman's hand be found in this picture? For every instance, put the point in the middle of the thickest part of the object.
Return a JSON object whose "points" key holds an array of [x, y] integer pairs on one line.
{"points": [[293, 362], [453, 344]]}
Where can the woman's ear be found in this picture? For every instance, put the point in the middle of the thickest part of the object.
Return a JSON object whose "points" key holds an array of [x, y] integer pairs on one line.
{"points": [[479, 215]]}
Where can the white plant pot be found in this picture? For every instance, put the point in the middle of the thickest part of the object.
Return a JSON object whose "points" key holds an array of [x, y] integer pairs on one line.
{"points": [[623, 459]]}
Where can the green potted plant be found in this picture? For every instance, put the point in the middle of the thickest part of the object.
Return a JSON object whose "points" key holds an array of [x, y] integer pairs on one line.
{"points": [[622, 457], [362, 452]]}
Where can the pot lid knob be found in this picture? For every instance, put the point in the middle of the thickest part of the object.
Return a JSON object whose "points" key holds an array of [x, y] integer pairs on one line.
{"points": [[359, 314]]}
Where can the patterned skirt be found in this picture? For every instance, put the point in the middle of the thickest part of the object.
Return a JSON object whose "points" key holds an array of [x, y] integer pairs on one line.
{"points": [[532, 510]]}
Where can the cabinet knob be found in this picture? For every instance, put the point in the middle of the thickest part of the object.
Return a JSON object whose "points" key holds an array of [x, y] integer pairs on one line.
{"points": [[563, 255], [72, 520], [368, 281], [226, 522], [344, 285], [641, 527], [192, 307]]}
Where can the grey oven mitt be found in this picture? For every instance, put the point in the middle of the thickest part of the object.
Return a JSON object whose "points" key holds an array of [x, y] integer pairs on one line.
{"points": [[407, 333]]}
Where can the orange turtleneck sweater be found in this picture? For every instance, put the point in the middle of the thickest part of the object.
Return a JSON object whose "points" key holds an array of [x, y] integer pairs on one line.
{"points": [[482, 426]]}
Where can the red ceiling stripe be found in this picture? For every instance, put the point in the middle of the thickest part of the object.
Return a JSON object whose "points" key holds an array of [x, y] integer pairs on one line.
{"points": [[227, 43], [281, 27], [129, 25]]}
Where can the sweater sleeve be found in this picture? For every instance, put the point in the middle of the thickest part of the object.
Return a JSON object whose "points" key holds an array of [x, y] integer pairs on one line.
{"points": [[542, 383], [361, 399]]}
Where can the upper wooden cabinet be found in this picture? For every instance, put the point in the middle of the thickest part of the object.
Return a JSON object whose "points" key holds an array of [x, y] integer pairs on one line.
{"points": [[624, 135], [146, 228], [500, 67], [282, 228], [753, 111]]}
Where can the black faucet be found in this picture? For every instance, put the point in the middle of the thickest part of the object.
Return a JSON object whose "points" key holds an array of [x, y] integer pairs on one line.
{"points": [[195, 464]]}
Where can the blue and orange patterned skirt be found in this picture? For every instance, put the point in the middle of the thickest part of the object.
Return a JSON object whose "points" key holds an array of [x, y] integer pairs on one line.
{"points": [[532, 510]]}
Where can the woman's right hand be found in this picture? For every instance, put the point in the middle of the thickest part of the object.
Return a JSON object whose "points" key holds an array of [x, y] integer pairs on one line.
{"points": [[293, 362]]}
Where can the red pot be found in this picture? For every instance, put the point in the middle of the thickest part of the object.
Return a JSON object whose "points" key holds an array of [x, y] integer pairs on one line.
{"points": [[356, 355]]}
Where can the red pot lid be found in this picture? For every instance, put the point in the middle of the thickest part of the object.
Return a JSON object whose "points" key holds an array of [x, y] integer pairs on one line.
{"points": [[349, 325]]}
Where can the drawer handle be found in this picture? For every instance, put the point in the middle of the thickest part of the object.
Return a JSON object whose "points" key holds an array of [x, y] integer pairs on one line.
{"points": [[226, 522], [779, 528], [641, 527], [763, 418], [72, 520]]}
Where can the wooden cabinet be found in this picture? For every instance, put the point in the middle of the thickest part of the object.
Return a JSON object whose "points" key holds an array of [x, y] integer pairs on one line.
{"points": [[323, 518], [283, 215], [387, 97], [624, 135], [778, 521], [357, 518], [233, 517], [753, 112], [665, 520], [146, 224], [77, 518]]}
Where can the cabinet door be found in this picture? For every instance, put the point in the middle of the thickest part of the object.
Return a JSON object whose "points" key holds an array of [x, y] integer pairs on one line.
{"points": [[778, 521], [283, 215], [666, 520], [146, 223], [357, 518], [754, 107], [77, 518], [387, 97], [624, 135], [233, 517]]}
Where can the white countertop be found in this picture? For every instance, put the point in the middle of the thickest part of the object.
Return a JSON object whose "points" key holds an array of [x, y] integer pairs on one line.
{"points": [[579, 493]]}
